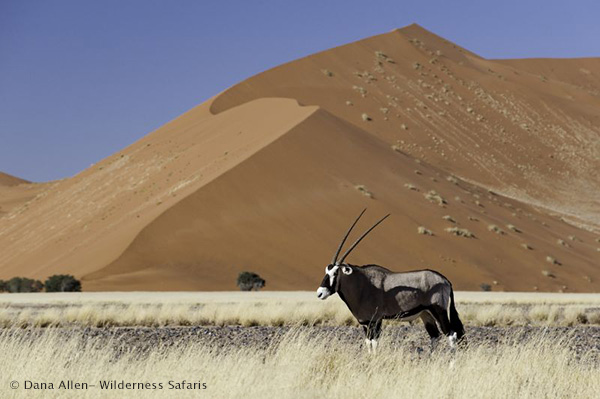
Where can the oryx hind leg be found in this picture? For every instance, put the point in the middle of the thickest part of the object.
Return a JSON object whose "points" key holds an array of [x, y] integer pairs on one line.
{"points": [[431, 328], [441, 316]]}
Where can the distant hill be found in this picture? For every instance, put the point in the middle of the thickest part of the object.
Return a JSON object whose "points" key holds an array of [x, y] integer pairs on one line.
{"points": [[8, 180]]}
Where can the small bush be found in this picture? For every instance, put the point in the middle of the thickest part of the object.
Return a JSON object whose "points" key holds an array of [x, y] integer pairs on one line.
{"points": [[364, 190], [495, 229], [452, 179], [551, 259], [485, 287], [366, 75], [382, 56], [460, 232], [548, 273], [526, 246], [513, 228], [361, 90], [249, 281], [366, 117], [449, 218], [435, 197], [424, 231], [62, 283]]}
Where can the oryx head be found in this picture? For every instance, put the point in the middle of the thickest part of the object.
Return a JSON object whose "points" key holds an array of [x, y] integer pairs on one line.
{"points": [[335, 271]]}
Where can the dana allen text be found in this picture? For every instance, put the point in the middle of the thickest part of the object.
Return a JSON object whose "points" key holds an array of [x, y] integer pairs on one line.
{"points": [[68, 385]]}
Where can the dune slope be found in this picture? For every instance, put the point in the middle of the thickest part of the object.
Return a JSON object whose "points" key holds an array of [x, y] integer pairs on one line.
{"points": [[526, 128]]}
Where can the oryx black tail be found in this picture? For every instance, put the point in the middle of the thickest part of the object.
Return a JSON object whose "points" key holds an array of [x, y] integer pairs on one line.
{"points": [[455, 324]]}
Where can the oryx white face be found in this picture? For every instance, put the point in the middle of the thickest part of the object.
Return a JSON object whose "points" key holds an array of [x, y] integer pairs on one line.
{"points": [[329, 283]]}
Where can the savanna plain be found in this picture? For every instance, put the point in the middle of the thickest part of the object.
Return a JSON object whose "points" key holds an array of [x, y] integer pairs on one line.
{"points": [[289, 344]]}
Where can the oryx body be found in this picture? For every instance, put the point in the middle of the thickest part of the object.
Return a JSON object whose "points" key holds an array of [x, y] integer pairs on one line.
{"points": [[374, 293]]}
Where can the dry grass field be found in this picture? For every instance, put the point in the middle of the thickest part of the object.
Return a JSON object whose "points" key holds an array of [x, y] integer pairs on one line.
{"points": [[300, 366], [256, 345], [272, 308]]}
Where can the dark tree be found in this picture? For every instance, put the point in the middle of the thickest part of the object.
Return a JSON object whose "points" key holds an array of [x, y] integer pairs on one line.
{"points": [[3, 286], [248, 281], [62, 283], [485, 287], [14, 284], [37, 286], [23, 284]]}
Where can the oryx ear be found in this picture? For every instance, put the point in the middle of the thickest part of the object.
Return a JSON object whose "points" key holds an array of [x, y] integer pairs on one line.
{"points": [[346, 270]]}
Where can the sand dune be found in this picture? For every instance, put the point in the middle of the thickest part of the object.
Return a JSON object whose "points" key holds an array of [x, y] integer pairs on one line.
{"points": [[267, 175], [8, 180]]}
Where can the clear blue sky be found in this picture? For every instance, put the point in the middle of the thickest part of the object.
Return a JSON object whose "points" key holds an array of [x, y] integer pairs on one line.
{"points": [[80, 79]]}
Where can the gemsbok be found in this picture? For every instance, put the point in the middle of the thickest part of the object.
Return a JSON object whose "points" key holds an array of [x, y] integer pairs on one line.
{"points": [[374, 293]]}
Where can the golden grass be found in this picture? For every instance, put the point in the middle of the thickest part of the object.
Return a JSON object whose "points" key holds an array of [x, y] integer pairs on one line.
{"points": [[300, 366], [274, 309]]}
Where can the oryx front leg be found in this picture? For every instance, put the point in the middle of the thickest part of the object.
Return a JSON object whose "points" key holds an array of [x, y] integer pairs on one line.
{"points": [[374, 346], [372, 331], [371, 345]]}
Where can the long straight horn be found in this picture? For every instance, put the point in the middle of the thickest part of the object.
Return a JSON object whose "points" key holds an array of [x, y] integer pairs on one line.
{"points": [[333, 262], [360, 238]]}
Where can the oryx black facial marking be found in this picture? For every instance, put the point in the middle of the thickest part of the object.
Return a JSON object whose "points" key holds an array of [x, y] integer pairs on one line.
{"points": [[374, 293]]}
